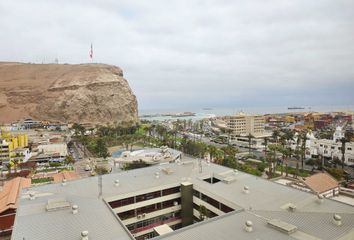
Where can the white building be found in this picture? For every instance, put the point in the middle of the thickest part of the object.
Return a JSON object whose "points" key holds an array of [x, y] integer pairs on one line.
{"points": [[338, 134], [55, 152], [330, 148], [55, 148], [135, 204]]}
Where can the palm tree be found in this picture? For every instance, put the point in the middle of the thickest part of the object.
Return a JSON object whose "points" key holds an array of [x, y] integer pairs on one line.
{"points": [[15, 163], [275, 135], [212, 152], [297, 155], [265, 145], [250, 137], [228, 131], [9, 166], [303, 137], [347, 138], [219, 154], [271, 159], [288, 155]]}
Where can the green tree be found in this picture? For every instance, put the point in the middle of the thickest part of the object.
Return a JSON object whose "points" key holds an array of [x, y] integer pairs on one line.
{"points": [[347, 138], [303, 137], [69, 160], [212, 152], [270, 158], [275, 135], [203, 212], [100, 170], [266, 139], [101, 148], [78, 129]]}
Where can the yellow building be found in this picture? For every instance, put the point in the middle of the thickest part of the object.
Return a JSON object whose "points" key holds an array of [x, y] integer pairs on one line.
{"points": [[242, 124], [290, 119], [10, 143]]}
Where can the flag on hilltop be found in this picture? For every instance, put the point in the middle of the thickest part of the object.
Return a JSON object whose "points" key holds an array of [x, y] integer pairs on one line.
{"points": [[91, 51]]}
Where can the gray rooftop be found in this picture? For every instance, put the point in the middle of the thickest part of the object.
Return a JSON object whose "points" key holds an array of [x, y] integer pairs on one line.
{"points": [[265, 201]]}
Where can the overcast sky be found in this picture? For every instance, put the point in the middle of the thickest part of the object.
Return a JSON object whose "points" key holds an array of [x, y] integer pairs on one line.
{"points": [[197, 53]]}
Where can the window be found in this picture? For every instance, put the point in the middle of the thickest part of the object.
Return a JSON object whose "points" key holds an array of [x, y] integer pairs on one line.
{"points": [[225, 208], [148, 196], [211, 201], [121, 202], [169, 191], [148, 209], [170, 203], [126, 215], [196, 193]]}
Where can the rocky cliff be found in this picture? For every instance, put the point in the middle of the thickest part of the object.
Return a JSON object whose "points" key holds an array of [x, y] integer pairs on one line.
{"points": [[84, 93]]}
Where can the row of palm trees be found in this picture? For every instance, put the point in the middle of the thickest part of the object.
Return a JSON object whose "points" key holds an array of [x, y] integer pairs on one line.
{"points": [[282, 144]]}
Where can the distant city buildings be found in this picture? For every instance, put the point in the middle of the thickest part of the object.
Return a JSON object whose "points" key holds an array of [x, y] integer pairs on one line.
{"points": [[328, 148]]}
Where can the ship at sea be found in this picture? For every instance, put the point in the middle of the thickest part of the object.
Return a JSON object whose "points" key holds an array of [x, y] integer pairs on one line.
{"points": [[295, 108]]}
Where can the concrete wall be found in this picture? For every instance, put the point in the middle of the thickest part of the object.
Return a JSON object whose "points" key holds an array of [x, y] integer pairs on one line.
{"points": [[187, 203]]}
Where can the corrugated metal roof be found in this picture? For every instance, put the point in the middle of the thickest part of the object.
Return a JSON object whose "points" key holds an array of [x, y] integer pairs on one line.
{"points": [[263, 202]]}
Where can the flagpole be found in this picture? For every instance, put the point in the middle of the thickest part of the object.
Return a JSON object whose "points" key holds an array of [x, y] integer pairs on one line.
{"points": [[91, 53]]}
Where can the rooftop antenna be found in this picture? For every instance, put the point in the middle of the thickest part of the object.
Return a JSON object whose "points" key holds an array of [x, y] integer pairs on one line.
{"points": [[99, 186]]}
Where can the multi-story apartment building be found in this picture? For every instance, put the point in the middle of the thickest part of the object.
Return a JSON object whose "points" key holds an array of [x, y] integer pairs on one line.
{"points": [[137, 204], [330, 149], [4, 151], [10, 145], [243, 125]]}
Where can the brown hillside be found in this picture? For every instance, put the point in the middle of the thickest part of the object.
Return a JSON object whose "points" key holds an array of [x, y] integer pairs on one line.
{"points": [[86, 93]]}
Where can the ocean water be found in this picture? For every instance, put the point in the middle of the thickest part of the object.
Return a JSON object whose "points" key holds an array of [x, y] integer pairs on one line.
{"points": [[211, 112]]}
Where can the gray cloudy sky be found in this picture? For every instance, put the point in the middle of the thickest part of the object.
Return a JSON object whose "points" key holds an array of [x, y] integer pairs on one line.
{"points": [[197, 53]]}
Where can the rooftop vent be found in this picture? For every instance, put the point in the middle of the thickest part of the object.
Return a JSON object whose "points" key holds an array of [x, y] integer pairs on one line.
{"points": [[75, 209], [116, 182], [337, 219], [248, 226], [157, 175], [282, 226], [57, 204], [291, 207], [63, 183], [32, 196], [229, 179], [246, 189], [320, 198], [84, 235], [187, 162], [167, 171]]}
